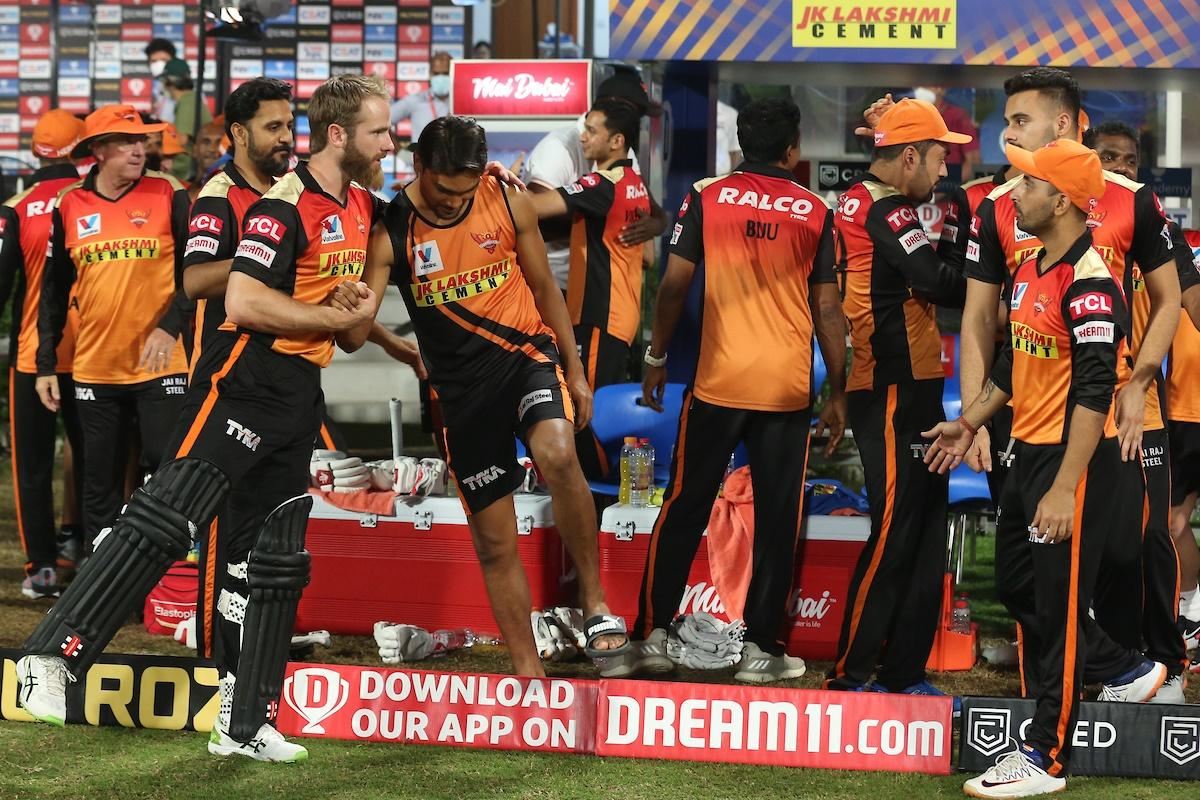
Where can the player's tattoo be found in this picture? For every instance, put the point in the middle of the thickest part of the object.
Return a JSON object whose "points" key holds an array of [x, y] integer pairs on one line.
{"points": [[988, 388]]}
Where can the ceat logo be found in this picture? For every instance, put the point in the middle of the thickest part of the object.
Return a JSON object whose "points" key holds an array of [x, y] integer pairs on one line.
{"points": [[427, 258], [316, 695], [138, 216], [489, 240], [88, 225], [265, 226], [331, 230], [206, 222], [1091, 303]]}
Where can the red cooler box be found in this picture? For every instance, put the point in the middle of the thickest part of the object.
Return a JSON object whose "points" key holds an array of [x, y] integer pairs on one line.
{"points": [[829, 549], [418, 567]]}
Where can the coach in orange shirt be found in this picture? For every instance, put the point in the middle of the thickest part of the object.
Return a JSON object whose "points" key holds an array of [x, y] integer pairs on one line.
{"points": [[116, 250]]}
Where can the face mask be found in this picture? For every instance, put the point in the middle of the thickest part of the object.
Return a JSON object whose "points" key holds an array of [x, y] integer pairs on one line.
{"points": [[921, 93], [157, 67], [440, 85]]}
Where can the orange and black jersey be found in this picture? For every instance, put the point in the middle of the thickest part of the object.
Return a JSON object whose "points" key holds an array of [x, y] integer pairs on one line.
{"points": [[1183, 397], [470, 306], [24, 242], [892, 279], [303, 242], [1068, 325], [604, 286], [214, 232], [760, 239], [123, 259], [980, 188], [1128, 229]]}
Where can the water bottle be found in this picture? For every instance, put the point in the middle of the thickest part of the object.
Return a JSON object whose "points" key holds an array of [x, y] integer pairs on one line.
{"points": [[648, 453], [627, 451], [447, 640], [960, 614], [640, 477]]}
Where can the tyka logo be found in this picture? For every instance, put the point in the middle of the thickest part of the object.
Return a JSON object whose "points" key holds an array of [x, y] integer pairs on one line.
{"points": [[316, 695], [987, 729], [1179, 739]]}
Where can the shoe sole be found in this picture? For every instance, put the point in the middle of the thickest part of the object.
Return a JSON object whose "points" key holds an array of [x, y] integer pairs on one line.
{"points": [[224, 751], [654, 665], [32, 595], [763, 677], [969, 792]]}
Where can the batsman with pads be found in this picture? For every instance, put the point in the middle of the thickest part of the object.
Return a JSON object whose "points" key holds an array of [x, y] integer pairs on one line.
{"points": [[251, 415]]}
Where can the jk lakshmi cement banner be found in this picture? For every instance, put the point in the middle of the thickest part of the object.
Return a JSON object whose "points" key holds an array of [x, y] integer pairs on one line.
{"points": [[1069, 33]]}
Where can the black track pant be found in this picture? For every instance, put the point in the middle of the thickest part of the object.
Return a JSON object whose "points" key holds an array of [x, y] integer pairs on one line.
{"points": [[33, 429], [777, 445], [108, 414], [254, 414], [1000, 430], [1137, 594], [896, 592], [605, 362], [1048, 587]]}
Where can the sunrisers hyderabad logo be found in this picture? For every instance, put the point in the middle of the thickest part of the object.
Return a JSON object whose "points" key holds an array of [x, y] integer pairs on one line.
{"points": [[138, 216], [1042, 302], [488, 240], [930, 24]]}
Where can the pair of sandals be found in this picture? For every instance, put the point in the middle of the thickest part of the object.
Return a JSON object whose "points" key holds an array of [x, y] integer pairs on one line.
{"points": [[561, 633]]}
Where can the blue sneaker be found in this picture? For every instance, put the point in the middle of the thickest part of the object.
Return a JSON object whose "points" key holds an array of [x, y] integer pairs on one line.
{"points": [[922, 688]]}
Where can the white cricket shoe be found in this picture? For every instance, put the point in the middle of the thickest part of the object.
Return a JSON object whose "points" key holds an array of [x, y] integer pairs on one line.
{"points": [[1170, 693], [1014, 774], [266, 745], [43, 688], [1136, 686]]}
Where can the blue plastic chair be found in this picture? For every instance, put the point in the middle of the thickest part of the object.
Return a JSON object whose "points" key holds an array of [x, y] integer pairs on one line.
{"points": [[618, 412], [969, 497]]}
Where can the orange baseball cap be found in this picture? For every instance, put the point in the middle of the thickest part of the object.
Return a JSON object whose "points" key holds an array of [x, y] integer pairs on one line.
{"points": [[171, 146], [1068, 166], [109, 120], [913, 120], [56, 134]]}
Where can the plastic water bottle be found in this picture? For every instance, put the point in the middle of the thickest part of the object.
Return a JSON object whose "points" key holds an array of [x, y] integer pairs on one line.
{"points": [[648, 454], [960, 614], [447, 640], [627, 451], [640, 477]]}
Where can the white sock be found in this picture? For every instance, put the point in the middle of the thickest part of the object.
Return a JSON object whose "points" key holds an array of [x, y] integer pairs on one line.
{"points": [[1189, 604]]}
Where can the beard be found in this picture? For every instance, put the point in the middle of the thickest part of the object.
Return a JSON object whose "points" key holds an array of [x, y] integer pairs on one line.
{"points": [[361, 168], [272, 162]]}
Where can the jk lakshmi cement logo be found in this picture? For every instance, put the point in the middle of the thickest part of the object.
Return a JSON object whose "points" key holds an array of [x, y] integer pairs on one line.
{"points": [[926, 24]]}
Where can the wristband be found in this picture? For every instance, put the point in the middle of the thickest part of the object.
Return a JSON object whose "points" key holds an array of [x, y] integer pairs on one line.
{"points": [[651, 360], [963, 421]]}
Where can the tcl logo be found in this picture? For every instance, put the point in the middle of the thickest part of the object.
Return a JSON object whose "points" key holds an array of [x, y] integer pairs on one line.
{"points": [[265, 226], [1091, 303], [208, 222], [798, 206], [901, 218]]}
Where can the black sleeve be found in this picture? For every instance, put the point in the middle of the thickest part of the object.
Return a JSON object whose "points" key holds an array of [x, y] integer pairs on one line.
{"points": [[687, 237], [822, 268], [592, 195], [985, 259], [1186, 262], [175, 318], [272, 236], [212, 235], [952, 246], [57, 279], [1096, 314], [1002, 369], [1152, 244], [900, 240], [12, 260]]}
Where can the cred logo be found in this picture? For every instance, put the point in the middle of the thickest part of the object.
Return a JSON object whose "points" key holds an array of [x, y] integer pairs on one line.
{"points": [[987, 729], [316, 695], [265, 226], [1179, 739]]}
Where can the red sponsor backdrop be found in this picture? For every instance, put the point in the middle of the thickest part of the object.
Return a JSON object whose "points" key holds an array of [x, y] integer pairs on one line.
{"points": [[545, 88], [681, 721]]}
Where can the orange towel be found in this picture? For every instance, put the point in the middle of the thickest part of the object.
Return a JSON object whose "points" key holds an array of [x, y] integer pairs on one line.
{"points": [[731, 542], [368, 502]]}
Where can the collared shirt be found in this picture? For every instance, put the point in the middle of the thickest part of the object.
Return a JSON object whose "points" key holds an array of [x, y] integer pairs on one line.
{"points": [[420, 109]]}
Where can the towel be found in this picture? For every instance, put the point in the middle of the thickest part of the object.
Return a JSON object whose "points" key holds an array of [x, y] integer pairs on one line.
{"points": [[731, 542], [367, 502]]}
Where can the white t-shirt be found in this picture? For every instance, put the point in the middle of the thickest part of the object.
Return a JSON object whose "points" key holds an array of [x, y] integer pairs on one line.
{"points": [[727, 138], [558, 160]]}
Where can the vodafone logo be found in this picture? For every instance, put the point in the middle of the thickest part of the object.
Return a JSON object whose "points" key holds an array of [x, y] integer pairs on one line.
{"points": [[797, 206], [265, 226], [206, 222], [316, 695]]}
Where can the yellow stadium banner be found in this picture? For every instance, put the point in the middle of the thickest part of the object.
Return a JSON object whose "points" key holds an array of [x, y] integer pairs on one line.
{"points": [[925, 24]]}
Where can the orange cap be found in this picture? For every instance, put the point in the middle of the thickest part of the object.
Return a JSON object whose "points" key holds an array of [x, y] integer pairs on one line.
{"points": [[913, 120], [56, 134], [108, 120], [1085, 122], [171, 146], [1068, 166]]}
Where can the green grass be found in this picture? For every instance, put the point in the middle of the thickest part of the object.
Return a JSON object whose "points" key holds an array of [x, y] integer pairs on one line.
{"points": [[83, 762]]}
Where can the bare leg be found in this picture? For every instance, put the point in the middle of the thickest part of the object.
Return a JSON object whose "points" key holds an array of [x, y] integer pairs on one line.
{"points": [[552, 442], [1185, 543], [494, 532]]}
